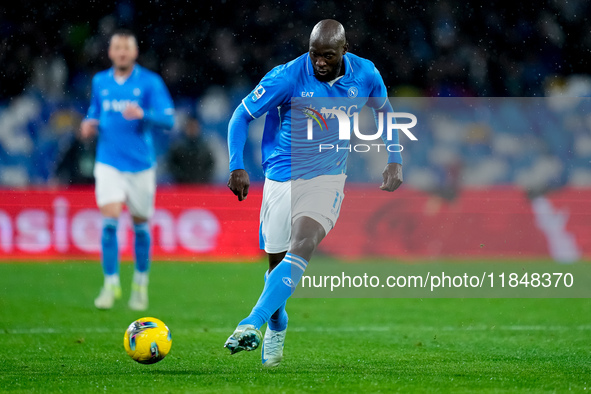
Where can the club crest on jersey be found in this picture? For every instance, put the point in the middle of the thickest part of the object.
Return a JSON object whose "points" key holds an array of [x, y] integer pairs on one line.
{"points": [[352, 92], [258, 93]]}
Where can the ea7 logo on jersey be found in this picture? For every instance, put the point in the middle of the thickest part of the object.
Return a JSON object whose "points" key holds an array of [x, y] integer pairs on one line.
{"points": [[258, 93], [307, 94]]}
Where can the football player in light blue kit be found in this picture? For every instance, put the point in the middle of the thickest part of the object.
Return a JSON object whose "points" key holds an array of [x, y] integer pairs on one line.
{"points": [[303, 189], [128, 102]]}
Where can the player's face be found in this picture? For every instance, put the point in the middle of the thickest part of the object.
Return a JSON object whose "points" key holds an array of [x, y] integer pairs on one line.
{"points": [[123, 52], [327, 60]]}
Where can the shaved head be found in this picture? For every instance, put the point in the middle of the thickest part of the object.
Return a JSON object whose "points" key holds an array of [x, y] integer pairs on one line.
{"points": [[328, 31], [328, 45]]}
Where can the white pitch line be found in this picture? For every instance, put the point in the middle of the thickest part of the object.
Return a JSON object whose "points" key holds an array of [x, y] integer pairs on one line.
{"points": [[108, 330]]}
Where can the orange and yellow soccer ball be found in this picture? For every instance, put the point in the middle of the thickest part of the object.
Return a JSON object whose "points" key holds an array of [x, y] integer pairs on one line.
{"points": [[147, 340]]}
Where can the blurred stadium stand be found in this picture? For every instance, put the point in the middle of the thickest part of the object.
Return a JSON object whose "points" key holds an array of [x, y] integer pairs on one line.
{"points": [[212, 53]]}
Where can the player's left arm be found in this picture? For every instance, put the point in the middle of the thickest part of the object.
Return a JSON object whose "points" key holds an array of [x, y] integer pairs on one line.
{"points": [[380, 104], [89, 126], [273, 90], [159, 108]]}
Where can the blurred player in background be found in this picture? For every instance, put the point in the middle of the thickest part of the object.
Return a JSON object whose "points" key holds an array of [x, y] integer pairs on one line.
{"points": [[128, 102], [298, 211]]}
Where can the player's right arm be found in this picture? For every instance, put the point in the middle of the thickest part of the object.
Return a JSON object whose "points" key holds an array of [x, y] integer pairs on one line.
{"points": [[239, 181], [273, 91], [89, 125]]}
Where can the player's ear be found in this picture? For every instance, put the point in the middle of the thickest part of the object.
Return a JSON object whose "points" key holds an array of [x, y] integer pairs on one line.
{"points": [[345, 48]]}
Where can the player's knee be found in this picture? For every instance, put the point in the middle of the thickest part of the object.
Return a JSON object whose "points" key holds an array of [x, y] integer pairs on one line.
{"points": [[304, 246], [111, 210], [139, 220]]}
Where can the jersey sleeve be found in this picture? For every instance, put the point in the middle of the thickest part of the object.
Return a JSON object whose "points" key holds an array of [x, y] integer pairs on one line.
{"points": [[273, 90], [94, 110], [237, 134], [379, 94], [380, 104], [160, 108]]}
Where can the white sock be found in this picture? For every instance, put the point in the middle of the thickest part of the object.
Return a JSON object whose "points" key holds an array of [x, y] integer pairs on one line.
{"points": [[112, 280], [140, 278]]}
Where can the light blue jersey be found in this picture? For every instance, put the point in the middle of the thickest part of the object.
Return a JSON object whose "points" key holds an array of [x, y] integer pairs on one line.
{"points": [[286, 152], [127, 144]]}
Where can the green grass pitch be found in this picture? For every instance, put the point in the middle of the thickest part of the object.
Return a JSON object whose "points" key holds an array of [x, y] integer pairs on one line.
{"points": [[54, 340]]}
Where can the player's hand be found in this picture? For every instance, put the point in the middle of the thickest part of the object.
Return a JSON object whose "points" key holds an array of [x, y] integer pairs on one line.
{"points": [[133, 112], [239, 183], [392, 177], [88, 128]]}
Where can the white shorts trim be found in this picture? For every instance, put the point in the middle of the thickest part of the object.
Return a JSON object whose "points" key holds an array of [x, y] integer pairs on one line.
{"points": [[319, 198], [136, 189]]}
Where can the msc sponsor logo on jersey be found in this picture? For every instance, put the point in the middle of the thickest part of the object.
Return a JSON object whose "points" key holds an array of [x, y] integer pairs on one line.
{"points": [[116, 105], [343, 114], [258, 93], [350, 111]]}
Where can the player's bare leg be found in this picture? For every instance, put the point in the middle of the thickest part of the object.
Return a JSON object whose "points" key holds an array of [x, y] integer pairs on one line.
{"points": [[111, 289], [275, 259], [306, 235], [112, 210]]}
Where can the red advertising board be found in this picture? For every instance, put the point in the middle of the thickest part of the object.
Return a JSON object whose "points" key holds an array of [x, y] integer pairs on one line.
{"points": [[480, 223], [196, 223], [208, 223]]}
